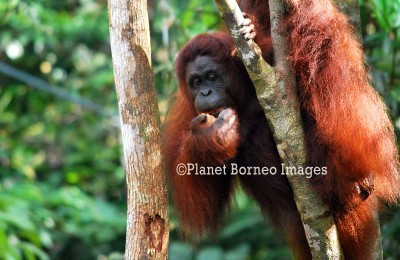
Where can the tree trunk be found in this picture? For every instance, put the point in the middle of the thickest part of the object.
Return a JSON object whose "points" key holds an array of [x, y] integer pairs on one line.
{"points": [[147, 219]]}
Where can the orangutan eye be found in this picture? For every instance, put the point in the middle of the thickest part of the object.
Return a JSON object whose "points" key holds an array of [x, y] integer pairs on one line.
{"points": [[195, 82], [212, 76]]}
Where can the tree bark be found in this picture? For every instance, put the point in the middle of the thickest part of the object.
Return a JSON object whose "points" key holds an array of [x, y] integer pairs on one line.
{"points": [[147, 220], [276, 92]]}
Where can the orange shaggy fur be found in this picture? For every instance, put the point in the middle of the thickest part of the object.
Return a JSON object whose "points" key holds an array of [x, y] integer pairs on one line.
{"points": [[347, 129]]}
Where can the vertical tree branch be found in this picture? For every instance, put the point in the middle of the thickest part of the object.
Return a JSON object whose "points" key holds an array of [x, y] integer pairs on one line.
{"points": [[313, 212], [276, 92], [147, 223]]}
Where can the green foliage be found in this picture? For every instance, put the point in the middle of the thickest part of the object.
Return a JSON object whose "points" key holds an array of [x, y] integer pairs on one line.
{"points": [[391, 242], [64, 221], [62, 185], [381, 21], [386, 14]]}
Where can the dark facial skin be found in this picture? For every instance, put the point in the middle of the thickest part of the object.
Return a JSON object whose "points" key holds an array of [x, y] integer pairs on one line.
{"points": [[209, 85]]}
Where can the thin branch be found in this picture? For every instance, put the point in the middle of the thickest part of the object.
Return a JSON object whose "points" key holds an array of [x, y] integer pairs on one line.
{"points": [[42, 85], [394, 61]]}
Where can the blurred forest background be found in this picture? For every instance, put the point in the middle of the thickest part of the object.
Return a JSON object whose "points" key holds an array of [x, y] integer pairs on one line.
{"points": [[62, 184]]}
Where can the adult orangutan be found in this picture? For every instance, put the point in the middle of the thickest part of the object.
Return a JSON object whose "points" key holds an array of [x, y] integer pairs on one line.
{"points": [[216, 121]]}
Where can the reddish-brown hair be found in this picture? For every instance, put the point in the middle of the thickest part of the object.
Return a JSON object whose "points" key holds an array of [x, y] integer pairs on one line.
{"points": [[346, 124]]}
